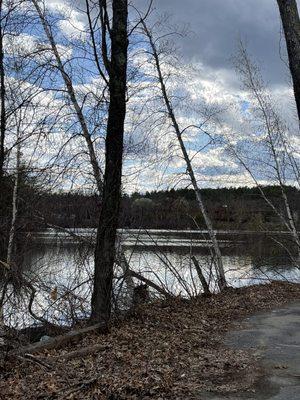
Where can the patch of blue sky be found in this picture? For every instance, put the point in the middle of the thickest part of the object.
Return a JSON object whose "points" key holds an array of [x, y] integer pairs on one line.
{"points": [[215, 171], [245, 105]]}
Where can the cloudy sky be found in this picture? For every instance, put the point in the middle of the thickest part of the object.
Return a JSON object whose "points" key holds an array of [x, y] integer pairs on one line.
{"points": [[214, 30], [217, 25]]}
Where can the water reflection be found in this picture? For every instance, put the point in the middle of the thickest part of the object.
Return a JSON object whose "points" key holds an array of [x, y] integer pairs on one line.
{"points": [[62, 269]]}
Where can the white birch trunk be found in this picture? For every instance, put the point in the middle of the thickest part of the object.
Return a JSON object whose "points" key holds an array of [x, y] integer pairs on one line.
{"points": [[221, 279], [97, 172], [12, 234]]}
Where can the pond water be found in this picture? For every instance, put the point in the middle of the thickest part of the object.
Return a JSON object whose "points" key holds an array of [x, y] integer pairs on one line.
{"points": [[61, 267]]}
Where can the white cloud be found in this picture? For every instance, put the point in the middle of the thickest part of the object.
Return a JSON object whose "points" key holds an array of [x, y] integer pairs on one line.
{"points": [[72, 23], [152, 155]]}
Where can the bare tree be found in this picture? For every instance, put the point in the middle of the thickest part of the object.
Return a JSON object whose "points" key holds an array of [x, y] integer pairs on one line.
{"points": [[2, 92], [12, 232], [221, 279], [72, 95], [10, 24], [291, 26], [108, 222], [273, 155]]}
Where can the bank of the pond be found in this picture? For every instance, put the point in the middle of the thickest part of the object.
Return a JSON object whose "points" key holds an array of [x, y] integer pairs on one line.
{"points": [[171, 350]]}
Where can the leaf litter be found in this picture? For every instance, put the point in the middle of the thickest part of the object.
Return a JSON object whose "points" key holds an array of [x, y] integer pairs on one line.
{"points": [[165, 350]]}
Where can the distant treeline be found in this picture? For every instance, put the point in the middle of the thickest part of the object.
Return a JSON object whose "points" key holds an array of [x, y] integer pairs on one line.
{"points": [[233, 208]]}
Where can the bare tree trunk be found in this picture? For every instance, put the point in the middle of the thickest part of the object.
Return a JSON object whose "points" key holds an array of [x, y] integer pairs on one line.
{"points": [[108, 221], [2, 148], [11, 237], [112, 143], [291, 26], [12, 232], [203, 281], [219, 264], [127, 277], [274, 136], [71, 92], [2, 98]]}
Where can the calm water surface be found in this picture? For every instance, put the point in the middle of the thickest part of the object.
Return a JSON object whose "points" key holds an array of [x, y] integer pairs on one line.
{"points": [[59, 265]]}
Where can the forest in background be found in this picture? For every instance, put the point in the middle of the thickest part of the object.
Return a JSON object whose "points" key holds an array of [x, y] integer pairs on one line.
{"points": [[241, 208]]}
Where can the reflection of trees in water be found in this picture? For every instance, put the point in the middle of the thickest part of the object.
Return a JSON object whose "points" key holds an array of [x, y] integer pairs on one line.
{"points": [[61, 273]]}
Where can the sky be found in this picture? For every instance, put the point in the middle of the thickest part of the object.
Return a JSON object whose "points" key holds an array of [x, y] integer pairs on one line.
{"points": [[208, 79], [216, 26], [214, 30]]}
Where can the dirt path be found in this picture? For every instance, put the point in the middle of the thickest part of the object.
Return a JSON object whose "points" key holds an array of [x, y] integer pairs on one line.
{"points": [[275, 337]]}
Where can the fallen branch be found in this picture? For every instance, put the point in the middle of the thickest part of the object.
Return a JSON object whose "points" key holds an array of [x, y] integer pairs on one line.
{"points": [[150, 284], [82, 352], [130, 273], [77, 387], [57, 341], [5, 264], [35, 360]]}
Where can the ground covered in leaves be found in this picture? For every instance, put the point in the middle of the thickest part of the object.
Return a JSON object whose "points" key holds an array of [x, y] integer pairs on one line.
{"points": [[166, 350]]}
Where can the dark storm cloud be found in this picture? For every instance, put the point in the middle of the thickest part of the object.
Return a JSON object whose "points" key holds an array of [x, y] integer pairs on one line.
{"points": [[217, 25]]}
